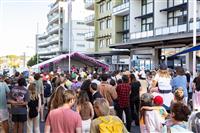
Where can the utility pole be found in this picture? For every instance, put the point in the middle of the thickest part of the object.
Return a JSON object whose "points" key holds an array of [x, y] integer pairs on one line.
{"points": [[36, 48], [69, 8], [194, 35]]}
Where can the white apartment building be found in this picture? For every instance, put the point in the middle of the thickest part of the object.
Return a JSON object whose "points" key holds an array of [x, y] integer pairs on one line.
{"points": [[161, 27], [66, 29]]}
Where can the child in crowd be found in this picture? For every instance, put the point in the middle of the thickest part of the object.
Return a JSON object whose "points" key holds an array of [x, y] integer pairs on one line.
{"points": [[178, 96]]}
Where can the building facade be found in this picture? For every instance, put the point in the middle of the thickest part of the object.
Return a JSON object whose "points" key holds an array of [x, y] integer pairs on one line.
{"points": [[64, 31], [160, 28]]}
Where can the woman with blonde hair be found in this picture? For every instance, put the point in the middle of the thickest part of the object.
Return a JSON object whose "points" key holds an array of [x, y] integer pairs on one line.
{"points": [[34, 105], [162, 80]]}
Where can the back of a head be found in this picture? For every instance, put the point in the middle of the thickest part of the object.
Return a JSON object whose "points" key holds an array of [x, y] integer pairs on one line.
{"points": [[37, 76], [180, 71], [94, 76], [181, 111], [112, 82], [146, 99], [104, 77], [69, 95], [21, 82], [133, 78], [102, 105], [83, 97], [179, 94], [125, 79], [94, 86]]}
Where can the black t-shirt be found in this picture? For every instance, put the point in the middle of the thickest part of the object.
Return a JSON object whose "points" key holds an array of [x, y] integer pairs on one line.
{"points": [[135, 91]]}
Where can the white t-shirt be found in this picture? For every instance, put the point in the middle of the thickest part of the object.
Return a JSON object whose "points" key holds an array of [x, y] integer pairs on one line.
{"points": [[164, 83]]}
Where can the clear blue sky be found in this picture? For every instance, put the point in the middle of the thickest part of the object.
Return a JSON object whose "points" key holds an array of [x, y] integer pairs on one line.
{"points": [[18, 24]]}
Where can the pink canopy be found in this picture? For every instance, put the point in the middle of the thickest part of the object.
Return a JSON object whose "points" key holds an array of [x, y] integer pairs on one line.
{"points": [[75, 56]]}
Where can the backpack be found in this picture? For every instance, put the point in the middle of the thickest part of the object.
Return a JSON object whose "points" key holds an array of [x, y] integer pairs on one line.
{"points": [[47, 90], [110, 126]]}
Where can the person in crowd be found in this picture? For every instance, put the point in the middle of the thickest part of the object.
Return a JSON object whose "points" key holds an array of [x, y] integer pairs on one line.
{"points": [[47, 91], [64, 119], [178, 96], [180, 81], [163, 82], [19, 97], [196, 93], [4, 114], [179, 117], [150, 121], [123, 93], [95, 92], [40, 90], [86, 87], [135, 98], [33, 109], [158, 107], [77, 84], [95, 79], [143, 82], [105, 122], [189, 84], [85, 109], [107, 91]]}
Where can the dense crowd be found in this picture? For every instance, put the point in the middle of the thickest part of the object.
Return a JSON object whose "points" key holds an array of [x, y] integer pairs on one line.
{"points": [[158, 101]]}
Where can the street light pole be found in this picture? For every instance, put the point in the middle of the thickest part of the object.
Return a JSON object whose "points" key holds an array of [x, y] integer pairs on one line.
{"points": [[194, 35], [69, 37]]}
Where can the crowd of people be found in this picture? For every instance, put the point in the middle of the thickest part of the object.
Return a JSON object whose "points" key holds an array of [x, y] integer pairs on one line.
{"points": [[157, 101]]}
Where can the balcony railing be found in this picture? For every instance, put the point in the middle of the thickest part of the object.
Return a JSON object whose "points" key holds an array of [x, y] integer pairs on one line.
{"points": [[137, 35], [53, 17], [90, 20], [53, 28], [120, 9], [165, 31], [89, 4], [89, 36]]}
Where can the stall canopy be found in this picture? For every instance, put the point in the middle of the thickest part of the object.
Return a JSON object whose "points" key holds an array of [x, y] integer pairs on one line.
{"points": [[74, 56], [195, 48]]}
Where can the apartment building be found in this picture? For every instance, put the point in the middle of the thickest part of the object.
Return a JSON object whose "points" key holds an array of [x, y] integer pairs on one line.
{"points": [[111, 25], [66, 29], [160, 27]]}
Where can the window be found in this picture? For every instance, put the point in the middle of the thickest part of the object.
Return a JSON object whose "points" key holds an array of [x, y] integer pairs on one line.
{"points": [[108, 23], [81, 23], [109, 5], [101, 24], [147, 6], [100, 43], [147, 24], [80, 45], [102, 8], [126, 22], [108, 42], [125, 37], [171, 3], [81, 34], [177, 17]]}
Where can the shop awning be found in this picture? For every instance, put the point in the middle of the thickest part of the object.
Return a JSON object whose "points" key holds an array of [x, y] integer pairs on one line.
{"points": [[195, 48]]}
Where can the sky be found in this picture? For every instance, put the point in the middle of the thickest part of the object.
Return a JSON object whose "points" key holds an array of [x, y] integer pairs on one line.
{"points": [[19, 20]]}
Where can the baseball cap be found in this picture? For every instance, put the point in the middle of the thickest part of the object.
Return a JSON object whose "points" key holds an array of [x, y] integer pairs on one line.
{"points": [[163, 66], [158, 100]]}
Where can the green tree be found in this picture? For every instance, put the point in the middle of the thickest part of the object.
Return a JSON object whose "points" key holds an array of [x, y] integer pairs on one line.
{"points": [[32, 61]]}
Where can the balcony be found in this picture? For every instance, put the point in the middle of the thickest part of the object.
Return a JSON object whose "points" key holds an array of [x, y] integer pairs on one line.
{"points": [[53, 39], [54, 28], [178, 29], [42, 43], [90, 20], [89, 4], [144, 34], [53, 17], [122, 9], [89, 36]]}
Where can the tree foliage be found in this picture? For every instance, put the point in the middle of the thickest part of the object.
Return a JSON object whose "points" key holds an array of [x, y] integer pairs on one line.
{"points": [[32, 61]]}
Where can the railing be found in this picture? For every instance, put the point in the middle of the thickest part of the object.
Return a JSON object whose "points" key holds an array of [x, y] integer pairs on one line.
{"points": [[165, 31], [53, 28], [89, 35], [121, 7], [89, 4], [171, 29], [137, 35], [53, 17], [89, 18]]}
